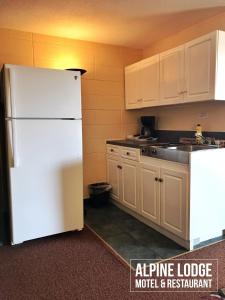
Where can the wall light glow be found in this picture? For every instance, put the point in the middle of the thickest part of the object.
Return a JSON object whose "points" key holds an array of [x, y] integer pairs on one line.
{"points": [[66, 61]]}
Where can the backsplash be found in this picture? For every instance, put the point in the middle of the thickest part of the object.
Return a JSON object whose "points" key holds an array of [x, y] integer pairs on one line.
{"points": [[185, 117], [174, 135]]}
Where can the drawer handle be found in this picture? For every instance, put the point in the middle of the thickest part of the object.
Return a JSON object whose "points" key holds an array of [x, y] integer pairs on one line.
{"points": [[112, 150], [128, 153], [156, 179], [119, 167], [160, 180]]}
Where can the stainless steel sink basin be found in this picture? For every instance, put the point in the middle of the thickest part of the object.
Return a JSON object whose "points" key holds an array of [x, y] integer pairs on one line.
{"points": [[178, 153], [190, 148]]}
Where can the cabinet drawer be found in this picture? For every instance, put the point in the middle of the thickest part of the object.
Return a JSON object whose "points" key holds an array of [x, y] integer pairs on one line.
{"points": [[113, 150], [130, 153]]}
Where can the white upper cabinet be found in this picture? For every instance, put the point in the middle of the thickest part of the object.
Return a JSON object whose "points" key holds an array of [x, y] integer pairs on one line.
{"points": [[192, 72], [132, 86], [172, 75], [142, 83], [149, 82], [200, 68]]}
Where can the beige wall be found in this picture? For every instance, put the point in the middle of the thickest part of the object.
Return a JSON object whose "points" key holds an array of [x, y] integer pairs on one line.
{"points": [[185, 117], [104, 116]]}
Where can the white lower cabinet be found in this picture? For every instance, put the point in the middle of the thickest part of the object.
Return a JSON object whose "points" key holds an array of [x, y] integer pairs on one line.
{"points": [[168, 196], [164, 196], [150, 190], [122, 174], [113, 174], [129, 184], [174, 201], [155, 189]]}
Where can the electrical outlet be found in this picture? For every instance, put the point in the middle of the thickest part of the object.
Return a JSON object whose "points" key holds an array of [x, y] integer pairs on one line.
{"points": [[203, 115]]}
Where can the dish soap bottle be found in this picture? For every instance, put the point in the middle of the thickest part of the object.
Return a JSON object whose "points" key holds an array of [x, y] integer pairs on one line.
{"points": [[198, 134]]}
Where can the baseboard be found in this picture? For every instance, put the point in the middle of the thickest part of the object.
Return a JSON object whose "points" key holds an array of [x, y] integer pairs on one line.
{"points": [[5, 229]]}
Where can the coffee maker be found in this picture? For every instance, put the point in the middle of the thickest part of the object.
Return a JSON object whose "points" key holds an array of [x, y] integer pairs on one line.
{"points": [[147, 128]]}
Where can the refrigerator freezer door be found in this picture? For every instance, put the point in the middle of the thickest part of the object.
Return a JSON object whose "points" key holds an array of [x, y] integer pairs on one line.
{"points": [[46, 184], [42, 93]]}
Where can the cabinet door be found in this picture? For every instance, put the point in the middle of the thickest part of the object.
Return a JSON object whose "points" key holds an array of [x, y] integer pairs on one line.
{"points": [[129, 184], [200, 57], [149, 81], [113, 177], [174, 202], [149, 187], [172, 76], [133, 97]]}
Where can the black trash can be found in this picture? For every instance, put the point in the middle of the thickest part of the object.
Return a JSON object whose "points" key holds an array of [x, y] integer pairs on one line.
{"points": [[99, 193]]}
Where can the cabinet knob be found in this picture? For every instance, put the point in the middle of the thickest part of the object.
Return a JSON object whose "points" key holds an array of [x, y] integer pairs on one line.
{"points": [[112, 150], [160, 180], [156, 178], [128, 153], [119, 167]]}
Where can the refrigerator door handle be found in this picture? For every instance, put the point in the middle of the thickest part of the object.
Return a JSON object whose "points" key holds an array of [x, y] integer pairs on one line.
{"points": [[11, 95], [12, 147]]}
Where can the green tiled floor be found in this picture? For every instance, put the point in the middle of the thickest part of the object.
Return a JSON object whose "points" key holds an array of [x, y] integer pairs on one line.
{"points": [[129, 237]]}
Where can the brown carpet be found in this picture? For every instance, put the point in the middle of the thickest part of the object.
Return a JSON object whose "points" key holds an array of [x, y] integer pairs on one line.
{"points": [[78, 266]]}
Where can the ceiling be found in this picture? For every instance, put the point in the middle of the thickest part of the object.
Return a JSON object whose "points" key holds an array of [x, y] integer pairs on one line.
{"points": [[132, 23]]}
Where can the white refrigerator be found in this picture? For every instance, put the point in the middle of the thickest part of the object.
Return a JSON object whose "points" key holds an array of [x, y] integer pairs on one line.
{"points": [[44, 145]]}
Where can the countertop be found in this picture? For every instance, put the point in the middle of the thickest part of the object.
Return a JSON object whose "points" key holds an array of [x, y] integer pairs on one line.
{"points": [[130, 143], [177, 153]]}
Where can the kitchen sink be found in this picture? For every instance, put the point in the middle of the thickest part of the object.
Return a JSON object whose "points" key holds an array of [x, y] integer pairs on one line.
{"points": [[190, 148], [174, 152]]}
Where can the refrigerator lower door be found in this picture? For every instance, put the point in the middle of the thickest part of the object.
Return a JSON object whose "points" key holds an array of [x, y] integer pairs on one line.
{"points": [[46, 181]]}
